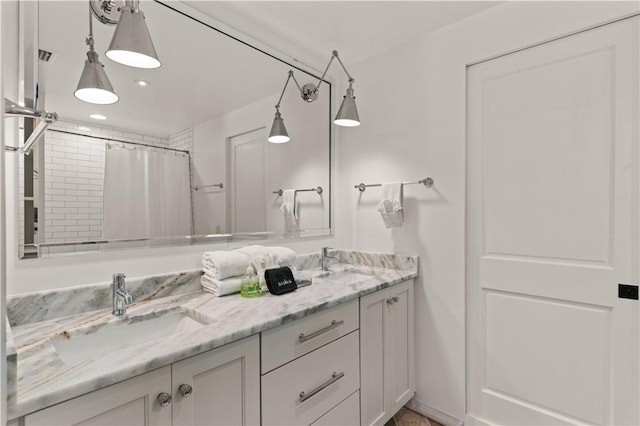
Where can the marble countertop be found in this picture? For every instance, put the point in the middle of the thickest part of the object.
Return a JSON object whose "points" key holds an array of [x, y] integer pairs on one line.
{"points": [[42, 378]]}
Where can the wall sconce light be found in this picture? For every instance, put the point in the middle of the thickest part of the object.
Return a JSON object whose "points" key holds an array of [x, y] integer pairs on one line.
{"points": [[131, 43], [347, 114], [94, 86]]}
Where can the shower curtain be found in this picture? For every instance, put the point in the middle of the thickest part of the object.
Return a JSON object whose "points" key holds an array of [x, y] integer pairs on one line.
{"points": [[147, 193]]}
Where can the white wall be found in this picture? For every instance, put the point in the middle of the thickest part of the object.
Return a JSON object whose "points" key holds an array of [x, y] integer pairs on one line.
{"points": [[412, 105]]}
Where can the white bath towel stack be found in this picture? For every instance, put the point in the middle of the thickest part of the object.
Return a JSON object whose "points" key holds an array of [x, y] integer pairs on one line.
{"points": [[288, 207], [224, 271], [390, 207], [223, 264]]}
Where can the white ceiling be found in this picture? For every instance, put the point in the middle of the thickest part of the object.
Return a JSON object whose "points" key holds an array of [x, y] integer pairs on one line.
{"points": [[205, 74], [359, 30]]}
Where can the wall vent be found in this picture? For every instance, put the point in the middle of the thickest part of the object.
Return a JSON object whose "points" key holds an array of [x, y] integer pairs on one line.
{"points": [[45, 55]]}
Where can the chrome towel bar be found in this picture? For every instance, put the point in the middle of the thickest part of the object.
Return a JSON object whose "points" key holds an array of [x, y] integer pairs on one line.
{"points": [[428, 182], [219, 185], [318, 190]]}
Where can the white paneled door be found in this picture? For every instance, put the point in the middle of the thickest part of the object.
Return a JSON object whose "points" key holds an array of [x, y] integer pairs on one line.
{"points": [[552, 230], [248, 201]]}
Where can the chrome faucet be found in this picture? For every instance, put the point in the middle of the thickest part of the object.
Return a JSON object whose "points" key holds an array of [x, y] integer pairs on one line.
{"points": [[121, 297], [326, 257]]}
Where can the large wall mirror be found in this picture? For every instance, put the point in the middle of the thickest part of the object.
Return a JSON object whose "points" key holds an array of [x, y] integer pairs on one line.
{"points": [[183, 156]]}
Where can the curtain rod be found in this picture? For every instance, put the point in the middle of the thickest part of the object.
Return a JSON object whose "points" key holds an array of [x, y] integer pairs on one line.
{"points": [[118, 140]]}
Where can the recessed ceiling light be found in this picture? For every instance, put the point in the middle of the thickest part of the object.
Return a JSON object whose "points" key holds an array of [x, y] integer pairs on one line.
{"points": [[141, 83], [84, 128], [98, 117]]}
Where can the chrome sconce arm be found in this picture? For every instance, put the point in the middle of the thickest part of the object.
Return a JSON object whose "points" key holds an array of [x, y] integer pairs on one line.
{"points": [[12, 109], [286, 83], [309, 89], [347, 114]]}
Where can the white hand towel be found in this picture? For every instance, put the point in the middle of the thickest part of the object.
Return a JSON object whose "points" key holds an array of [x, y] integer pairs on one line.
{"points": [[224, 264], [221, 287], [390, 207], [288, 207]]}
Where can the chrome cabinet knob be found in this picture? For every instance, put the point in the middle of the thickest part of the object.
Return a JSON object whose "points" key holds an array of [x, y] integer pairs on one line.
{"points": [[395, 299], [389, 301], [164, 399], [185, 390]]}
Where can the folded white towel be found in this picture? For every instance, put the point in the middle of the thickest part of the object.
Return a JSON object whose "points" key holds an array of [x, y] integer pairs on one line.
{"points": [[390, 207], [254, 251], [283, 256], [224, 264], [288, 207], [221, 287]]}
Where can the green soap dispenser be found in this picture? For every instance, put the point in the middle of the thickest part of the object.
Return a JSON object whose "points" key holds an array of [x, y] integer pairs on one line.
{"points": [[250, 286]]}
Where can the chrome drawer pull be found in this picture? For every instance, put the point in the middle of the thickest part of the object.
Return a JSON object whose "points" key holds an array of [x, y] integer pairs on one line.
{"points": [[334, 378], [334, 324]]}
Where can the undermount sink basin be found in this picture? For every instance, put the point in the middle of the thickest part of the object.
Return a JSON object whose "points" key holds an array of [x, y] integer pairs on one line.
{"points": [[95, 342]]}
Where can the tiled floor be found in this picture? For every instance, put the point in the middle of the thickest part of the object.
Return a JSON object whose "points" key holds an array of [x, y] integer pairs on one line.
{"points": [[406, 417]]}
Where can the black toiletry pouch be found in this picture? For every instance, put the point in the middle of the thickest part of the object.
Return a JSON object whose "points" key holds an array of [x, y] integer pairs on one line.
{"points": [[280, 280]]}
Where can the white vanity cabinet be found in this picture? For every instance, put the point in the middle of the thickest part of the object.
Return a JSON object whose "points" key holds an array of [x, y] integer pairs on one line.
{"points": [[132, 402], [219, 387], [387, 360], [224, 390], [312, 366]]}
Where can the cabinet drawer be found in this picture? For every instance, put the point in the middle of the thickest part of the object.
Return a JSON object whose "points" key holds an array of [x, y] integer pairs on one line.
{"points": [[288, 342], [283, 402], [347, 413]]}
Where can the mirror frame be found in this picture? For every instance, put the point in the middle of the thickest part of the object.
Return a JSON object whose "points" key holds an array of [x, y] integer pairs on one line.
{"points": [[32, 250]]}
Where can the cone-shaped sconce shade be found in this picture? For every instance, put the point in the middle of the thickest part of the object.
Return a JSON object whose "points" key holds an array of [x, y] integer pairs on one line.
{"points": [[348, 113], [94, 86], [131, 43], [278, 132]]}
